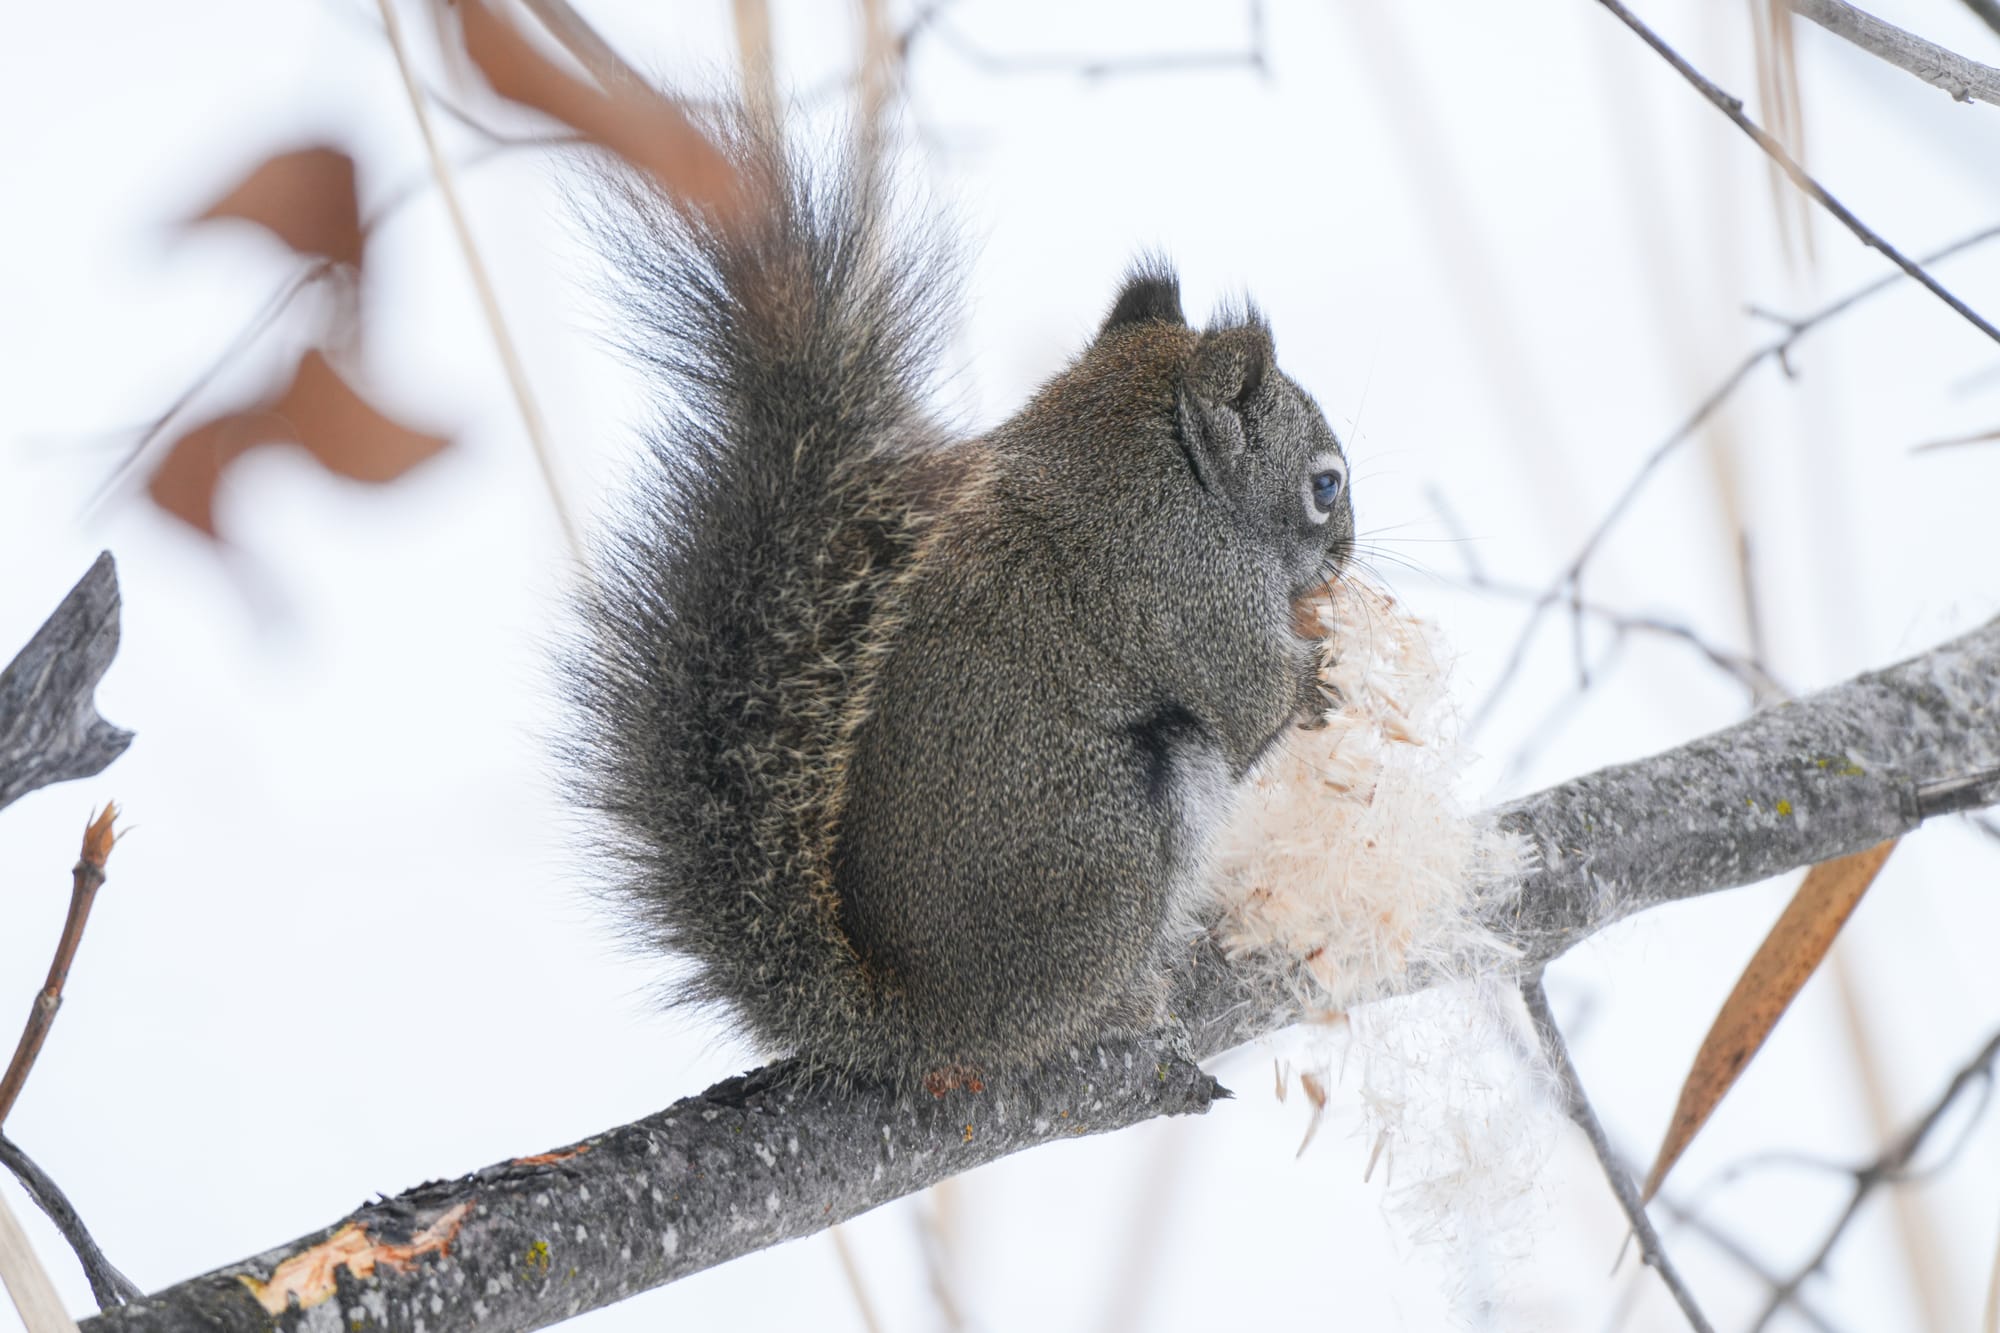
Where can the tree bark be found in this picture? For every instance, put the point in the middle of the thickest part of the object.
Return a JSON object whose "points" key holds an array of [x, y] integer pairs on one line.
{"points": [[49, 727]]}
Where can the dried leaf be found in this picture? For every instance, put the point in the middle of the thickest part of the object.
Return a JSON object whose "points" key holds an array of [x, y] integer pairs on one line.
{"points": [[184, 482], [318, 411], [1780, 968], [306, 198], [339, 428], [646, 129]]}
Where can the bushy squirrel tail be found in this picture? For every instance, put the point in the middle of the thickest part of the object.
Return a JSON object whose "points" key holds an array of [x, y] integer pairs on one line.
{"points": [[725, 652]]}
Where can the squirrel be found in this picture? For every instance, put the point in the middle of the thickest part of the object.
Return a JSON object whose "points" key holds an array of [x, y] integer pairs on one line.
{"points": [[914, 746]]}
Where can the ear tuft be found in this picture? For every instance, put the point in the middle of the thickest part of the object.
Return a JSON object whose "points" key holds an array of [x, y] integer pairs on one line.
{"points": [[1151, 294]]}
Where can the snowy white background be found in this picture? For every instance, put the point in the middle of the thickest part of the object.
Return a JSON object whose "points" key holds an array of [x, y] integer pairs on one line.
{"points": [[344, 949]]}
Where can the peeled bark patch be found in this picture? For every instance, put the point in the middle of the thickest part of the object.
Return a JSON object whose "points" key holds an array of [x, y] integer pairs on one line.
{"points": [[310, 1277]]}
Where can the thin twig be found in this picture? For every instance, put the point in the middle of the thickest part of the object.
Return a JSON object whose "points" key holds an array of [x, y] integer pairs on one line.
{"points": [[503, 341], [85, 880], [267, 314], [1778, 349], [1577, 1105], [1739, 1252], [1252, 56], [1753, 607], [1966, 80], [1956, 441], [1891, 1168], [107, 1284], [1732, 107], [1749, 671]]}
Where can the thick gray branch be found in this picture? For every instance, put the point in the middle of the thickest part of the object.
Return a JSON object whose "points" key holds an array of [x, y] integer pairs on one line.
{"points": [[749, 1163], [752, 1161], [49, 727], [1966, 80], [1798, 783]]}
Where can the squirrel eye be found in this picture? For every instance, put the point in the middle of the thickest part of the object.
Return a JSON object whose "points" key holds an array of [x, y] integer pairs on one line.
{"points": [[1323, 492]]}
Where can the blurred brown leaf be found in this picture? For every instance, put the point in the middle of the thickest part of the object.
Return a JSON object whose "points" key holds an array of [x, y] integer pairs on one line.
{"points": [[306, 198], [318, 411], [1788, 956], [646, 129]]}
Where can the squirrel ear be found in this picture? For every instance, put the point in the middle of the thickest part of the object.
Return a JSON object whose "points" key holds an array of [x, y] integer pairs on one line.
{"points": [[1229, 364], [1151, 294]]}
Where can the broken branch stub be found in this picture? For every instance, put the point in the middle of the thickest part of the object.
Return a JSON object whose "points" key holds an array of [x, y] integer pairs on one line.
{"points": [[50, 730]]}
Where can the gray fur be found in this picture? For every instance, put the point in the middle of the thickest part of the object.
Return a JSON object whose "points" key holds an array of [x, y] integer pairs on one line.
{"points": [[915, 747]]}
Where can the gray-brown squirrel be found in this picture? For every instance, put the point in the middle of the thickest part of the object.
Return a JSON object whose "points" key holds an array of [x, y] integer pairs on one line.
{"points": [[915, 746]]}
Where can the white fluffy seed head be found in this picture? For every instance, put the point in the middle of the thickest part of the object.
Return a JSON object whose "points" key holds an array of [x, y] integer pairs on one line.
{"points": [[1351, 850], [1351, 862]]}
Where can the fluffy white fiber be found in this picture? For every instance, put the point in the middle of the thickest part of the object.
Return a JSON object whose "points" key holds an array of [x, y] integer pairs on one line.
{"points": [[1351, 864], [1351, 851]]}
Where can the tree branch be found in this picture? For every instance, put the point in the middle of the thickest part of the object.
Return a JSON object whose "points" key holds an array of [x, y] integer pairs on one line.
{"points": [[1732, 107], [749, 1163], [107, 1284], [1794, 785], [50, 730], [1778, 349], [755, 1160], [1891, 1168], [1966, 80], [86, 878], [1576, 1105]]}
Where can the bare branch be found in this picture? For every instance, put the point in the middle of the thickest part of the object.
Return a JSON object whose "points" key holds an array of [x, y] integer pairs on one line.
{"points": [[1892, 1167], [1778, 350], [755, 1161], [1966, 80], [50, 730], [1740, 1253], [107, 1284], [1732, 107], [1576, 1104], [1794, 785], [86, 878], [1252, 56]]}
